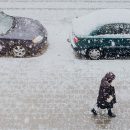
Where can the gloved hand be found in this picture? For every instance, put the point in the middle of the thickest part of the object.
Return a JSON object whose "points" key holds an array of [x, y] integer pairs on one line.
{"points": [[109, 99]]}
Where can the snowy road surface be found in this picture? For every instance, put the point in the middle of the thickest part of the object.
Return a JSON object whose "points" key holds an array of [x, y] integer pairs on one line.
{"points": [[56, 91]]}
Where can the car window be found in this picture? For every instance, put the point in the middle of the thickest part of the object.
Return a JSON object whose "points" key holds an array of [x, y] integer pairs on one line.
{"points": [[117, 28], [5, 23], [121, 28]]}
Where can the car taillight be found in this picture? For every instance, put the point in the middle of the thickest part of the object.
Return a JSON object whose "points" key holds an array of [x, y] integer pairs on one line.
{"points": [[76, 40]]}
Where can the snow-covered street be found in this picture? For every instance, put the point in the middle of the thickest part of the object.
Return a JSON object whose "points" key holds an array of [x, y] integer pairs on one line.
{"points": [[57, 90]]}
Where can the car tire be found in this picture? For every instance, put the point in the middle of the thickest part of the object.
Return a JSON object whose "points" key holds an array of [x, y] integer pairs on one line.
{"points": [[94, 54], [19, 51], [3, 49]]}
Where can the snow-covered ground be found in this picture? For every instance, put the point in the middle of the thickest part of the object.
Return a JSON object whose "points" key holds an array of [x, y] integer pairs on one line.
{"points": [[56, 90]]}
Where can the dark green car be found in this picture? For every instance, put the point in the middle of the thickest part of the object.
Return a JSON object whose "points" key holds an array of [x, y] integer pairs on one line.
{"points": [[111, 37]]}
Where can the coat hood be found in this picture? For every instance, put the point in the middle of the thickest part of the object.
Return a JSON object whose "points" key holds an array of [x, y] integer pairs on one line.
{"points": [[110, 76]]}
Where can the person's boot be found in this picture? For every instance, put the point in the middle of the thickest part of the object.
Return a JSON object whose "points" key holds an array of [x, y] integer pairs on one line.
{"points": [[111, 114], [94, 112]]}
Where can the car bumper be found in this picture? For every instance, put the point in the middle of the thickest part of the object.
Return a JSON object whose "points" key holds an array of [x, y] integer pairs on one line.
{"points": [[79, 50], [74, 46], [38, 48]]}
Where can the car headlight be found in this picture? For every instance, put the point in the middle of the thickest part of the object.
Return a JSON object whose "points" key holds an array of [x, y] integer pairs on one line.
{"points": [[37, 39]]}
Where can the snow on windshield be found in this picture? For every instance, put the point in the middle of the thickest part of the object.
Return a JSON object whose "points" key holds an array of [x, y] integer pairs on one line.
{"points": [[5, 23], [84, 25]]}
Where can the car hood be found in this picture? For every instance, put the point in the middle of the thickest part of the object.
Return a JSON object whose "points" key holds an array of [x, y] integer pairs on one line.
{"points": [[25, 29]]}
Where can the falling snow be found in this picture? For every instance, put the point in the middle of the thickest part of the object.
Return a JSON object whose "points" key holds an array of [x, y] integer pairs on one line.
{"points": [[57, 90]]}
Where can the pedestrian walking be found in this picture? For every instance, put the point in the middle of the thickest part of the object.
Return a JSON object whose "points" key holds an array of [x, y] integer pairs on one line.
{"points": [[106, 97]]}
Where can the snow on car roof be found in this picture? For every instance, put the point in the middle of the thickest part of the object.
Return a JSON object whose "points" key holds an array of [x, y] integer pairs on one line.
{"points": [[86, 24]]}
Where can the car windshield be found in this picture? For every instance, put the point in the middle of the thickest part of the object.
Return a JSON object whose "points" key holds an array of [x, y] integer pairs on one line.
{"points": [[6, 23]]}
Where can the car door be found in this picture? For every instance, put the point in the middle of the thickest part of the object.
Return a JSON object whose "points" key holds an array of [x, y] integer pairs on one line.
{"points": [[113, 38], [121, 38], [104, 39], [125, 38]]}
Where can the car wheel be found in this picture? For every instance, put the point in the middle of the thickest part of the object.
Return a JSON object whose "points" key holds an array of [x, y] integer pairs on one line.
{"points": [[19, 51], [2, 48], [94, 54]]}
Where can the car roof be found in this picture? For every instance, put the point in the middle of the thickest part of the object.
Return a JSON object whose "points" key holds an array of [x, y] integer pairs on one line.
{"points": [[86, 24]]}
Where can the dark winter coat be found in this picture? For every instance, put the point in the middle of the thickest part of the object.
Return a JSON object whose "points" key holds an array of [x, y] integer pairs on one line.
{"points": [[105, 91]]}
